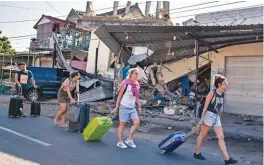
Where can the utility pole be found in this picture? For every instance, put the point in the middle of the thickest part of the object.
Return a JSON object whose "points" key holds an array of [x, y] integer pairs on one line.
{"points": [[96, 61], [54, 55], [196, 43]]}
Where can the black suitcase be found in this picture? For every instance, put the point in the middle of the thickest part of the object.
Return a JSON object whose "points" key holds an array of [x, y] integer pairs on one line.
{"points": [[35, 108], [15, 107], [84, 119]]}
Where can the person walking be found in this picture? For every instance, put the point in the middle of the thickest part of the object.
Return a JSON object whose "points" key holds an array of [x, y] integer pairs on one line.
{"points": [[22, 80], [211, 118], [126, 104], [65, 97]]}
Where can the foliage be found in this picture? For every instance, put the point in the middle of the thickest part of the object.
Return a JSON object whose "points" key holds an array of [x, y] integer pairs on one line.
{"points": [[5, 46]]}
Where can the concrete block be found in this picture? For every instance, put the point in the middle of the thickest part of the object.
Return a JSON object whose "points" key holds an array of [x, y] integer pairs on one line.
{"points": [[169, 110]]}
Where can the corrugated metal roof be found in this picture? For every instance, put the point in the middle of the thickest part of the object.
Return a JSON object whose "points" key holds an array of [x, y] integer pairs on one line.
{"points": [[177, 39]]}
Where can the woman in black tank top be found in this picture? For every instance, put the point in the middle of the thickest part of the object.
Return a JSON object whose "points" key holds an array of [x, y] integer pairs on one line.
{"points": [[211, 118]]}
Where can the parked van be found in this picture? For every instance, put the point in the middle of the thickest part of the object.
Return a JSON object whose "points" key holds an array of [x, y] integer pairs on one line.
{"points": [[48, 81]]}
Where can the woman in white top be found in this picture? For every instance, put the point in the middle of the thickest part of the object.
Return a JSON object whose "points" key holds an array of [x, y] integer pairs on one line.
{"points": [[126, 103]]}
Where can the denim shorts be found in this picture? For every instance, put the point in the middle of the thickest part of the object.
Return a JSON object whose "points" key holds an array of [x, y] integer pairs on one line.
{"points": [[211, 119], [125, 114]]}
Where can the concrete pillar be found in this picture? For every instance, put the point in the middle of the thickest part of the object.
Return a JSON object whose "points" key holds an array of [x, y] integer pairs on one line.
{"points": [[89, 8], [147, 8], [127, 7], [115, 8], [166, 8], [158, 9]]}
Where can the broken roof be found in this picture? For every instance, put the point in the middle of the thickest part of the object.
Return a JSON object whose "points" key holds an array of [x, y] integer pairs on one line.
{"points": [[172, 43], [120, 11], [55, 21]]}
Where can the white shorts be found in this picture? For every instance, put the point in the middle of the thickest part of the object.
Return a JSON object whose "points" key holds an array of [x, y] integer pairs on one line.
{"points": [[211, 119]]}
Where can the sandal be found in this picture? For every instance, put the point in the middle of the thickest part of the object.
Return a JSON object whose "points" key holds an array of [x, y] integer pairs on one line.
{"points": [[55, 122], [64, 126]]}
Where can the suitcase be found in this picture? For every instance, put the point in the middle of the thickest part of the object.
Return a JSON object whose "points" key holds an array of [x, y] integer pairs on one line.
{"points": [[97, 128], [35, 109], [15, 106], [174, 140], [84, 119], [73, 114]]}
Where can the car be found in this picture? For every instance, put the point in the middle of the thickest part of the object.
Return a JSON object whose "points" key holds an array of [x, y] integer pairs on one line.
{"points": [[48, 81]]}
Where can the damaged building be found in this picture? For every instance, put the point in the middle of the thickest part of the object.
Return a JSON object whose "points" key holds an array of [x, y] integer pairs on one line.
{"points": [[187, 51]]}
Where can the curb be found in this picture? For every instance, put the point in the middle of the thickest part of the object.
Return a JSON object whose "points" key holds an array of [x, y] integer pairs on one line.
{"points": [[183, 125]]}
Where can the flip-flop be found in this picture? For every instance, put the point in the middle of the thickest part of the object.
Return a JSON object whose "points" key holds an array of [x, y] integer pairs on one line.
{"points": [[64, 126], [55, 122]]}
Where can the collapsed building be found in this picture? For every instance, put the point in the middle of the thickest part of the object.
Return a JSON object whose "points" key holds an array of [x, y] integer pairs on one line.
{"points": [[182, 59]]}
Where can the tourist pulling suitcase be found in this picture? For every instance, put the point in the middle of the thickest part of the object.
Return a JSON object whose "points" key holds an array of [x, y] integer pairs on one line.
{"points": [[97, 128], [35, 107], [174, 140], [16, 105], [83, 116]]}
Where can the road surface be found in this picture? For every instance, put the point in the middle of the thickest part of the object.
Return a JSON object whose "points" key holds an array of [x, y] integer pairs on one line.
{"points": [[38, 141]]}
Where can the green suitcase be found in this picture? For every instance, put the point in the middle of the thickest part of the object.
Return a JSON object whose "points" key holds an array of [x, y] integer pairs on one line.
{"points": [[97, 128]]}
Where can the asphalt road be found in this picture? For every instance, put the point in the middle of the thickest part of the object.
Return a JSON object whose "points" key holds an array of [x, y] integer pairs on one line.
{"points": [[37, 140]]}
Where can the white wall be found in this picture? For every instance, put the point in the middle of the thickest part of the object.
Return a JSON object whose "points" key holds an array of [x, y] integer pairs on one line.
{"points": [[103, 56], [245, 16]]}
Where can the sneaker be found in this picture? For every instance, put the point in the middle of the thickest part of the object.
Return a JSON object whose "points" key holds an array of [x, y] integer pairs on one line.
{"points": [[230, 161], [199, 156], [121, 145], [130, 143]]}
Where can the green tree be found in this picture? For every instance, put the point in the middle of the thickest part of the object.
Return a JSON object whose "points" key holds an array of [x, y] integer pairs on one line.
{"points": [[5, 46]]}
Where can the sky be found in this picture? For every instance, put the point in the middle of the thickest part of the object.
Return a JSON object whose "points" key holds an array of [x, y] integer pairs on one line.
{"points": [[28, 10]]}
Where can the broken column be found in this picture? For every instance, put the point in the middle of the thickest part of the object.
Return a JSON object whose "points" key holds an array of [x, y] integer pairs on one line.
{"points": [[127, 7], [147, 8], [158, 9], [89, 8], [115, 8], [166, 9]]}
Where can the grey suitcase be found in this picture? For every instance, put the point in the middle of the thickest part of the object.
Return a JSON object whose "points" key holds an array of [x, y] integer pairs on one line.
{"points": [[74, 113], [84, 119]]}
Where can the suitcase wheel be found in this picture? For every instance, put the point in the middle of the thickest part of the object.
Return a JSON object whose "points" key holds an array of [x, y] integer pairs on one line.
{"points": [[162, 152]]}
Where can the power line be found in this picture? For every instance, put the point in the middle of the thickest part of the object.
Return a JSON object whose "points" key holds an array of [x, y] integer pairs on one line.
{"points": [[153, 13], [188, 6], [261, 5], [111, 8], [26, 8], [29, 20], [22, 37], [209, 7], [53, 8]]}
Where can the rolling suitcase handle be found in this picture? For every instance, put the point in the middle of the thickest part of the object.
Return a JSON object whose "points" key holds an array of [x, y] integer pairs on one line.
{"points": [[106, 120], [20, 92], [35, 93], [193, 130]]}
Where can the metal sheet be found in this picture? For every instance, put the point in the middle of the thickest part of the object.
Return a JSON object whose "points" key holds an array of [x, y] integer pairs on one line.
{"points": [[157, 38], [245, 91]]}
